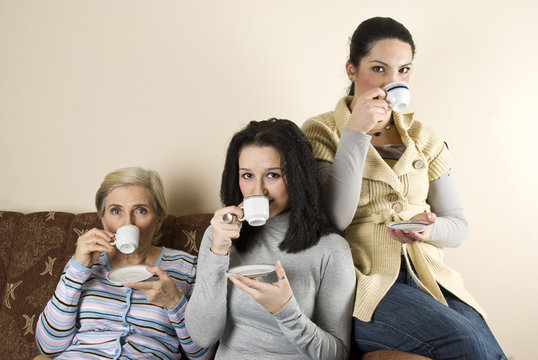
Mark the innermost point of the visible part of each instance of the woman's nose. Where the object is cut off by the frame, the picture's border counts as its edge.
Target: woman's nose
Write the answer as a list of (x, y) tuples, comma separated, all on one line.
[(130, 220), (394, 77), (260, 188)]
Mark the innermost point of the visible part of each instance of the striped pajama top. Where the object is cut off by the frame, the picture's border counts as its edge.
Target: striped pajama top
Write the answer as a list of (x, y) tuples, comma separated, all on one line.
[(90, 317)]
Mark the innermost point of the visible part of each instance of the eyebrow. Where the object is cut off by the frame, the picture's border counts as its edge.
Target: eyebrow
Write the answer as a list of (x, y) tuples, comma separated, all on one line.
[(387, 65), (121, 206), (272, 168)]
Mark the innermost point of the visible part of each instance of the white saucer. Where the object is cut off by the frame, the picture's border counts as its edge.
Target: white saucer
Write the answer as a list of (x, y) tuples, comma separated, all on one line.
[(251, 271), (128, 274), (407, 226)]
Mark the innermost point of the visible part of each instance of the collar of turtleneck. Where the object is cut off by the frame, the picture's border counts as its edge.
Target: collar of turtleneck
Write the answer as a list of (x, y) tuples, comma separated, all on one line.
[(278, 223)]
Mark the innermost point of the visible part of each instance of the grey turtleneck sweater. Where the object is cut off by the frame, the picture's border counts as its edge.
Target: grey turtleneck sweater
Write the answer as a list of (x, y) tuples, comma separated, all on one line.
[(314, 324)]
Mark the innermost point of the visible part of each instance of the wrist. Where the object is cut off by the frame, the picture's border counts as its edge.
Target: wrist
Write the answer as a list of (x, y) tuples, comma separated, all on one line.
[(82, 261), (351, 126), (173, 303), (219, 252)]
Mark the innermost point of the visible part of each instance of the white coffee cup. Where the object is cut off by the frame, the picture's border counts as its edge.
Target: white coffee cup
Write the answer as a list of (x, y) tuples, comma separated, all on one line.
[(397, 95), (127, 238), (255, 209)]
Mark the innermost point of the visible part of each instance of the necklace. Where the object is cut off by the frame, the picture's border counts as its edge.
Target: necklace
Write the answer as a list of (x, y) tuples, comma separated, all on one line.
[(386, 128)]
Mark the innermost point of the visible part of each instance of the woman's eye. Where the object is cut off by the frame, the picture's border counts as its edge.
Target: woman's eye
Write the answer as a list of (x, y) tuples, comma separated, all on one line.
[(378, 69), (142, 211), (273, 175), (246, 175), (405, 70), (115, 211)]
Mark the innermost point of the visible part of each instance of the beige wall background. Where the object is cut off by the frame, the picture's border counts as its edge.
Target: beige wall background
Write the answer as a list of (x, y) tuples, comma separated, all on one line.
[(87, 87)]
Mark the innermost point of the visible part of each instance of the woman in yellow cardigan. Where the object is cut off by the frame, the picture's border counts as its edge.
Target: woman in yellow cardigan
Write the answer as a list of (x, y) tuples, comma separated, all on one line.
[(381, 166)]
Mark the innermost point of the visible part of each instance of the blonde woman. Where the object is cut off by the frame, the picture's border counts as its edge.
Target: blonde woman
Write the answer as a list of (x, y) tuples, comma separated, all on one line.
[(91, 317)]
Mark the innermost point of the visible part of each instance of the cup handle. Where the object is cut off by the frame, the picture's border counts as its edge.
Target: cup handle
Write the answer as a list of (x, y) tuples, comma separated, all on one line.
[(242, 218)]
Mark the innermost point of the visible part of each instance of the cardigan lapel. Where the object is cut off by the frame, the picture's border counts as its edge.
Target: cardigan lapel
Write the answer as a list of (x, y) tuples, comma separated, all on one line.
[(407, 163), (375, 168)]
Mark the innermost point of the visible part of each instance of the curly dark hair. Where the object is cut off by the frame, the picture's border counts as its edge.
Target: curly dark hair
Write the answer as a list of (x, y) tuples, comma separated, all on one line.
[(308, 220)]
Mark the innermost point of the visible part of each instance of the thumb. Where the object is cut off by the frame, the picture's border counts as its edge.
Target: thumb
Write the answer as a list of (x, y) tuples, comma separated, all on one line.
[(374, 93), (425, 217), (280, 273), (157, 271)]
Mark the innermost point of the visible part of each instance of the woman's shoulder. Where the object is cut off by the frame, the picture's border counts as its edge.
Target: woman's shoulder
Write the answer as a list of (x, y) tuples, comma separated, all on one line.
[(335, 254), (324, 130), (333, 242), (331, 119), (324, 121)]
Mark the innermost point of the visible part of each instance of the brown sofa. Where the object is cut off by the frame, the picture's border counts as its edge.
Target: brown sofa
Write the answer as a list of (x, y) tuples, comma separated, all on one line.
[(35, 247)]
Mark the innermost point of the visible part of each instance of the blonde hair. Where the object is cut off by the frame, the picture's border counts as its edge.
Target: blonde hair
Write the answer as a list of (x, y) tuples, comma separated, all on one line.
[(138, 176)]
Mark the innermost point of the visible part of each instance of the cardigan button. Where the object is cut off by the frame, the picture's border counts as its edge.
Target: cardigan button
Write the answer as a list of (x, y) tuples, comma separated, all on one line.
[(392, 197), (418, 164), (397, 207)]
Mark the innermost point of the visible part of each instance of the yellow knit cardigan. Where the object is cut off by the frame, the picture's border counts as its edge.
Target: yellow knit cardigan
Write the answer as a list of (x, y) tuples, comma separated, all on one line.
[(390, 194)]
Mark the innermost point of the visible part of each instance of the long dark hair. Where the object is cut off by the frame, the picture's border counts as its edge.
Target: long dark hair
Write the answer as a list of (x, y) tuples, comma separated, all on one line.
[(308, 220), (372, 30)]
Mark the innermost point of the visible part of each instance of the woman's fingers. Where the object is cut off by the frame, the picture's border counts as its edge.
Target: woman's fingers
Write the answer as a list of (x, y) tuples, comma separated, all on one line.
[(369, 110), (91, 244), (246, 284), (281, 274), (235, 212), (414, 236), (94, 243), (157, 271), (425, 216), (273, 296), (409, 237), (162, 292), (400, 236), (223, 231), (374, 93)]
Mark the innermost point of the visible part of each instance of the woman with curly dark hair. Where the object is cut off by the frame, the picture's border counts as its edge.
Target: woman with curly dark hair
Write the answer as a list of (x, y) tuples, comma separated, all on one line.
[(303, 308)]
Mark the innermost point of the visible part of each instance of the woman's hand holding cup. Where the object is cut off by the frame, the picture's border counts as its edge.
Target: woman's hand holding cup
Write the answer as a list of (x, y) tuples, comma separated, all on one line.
[(91, 244), (223, 232), (369, 110)]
